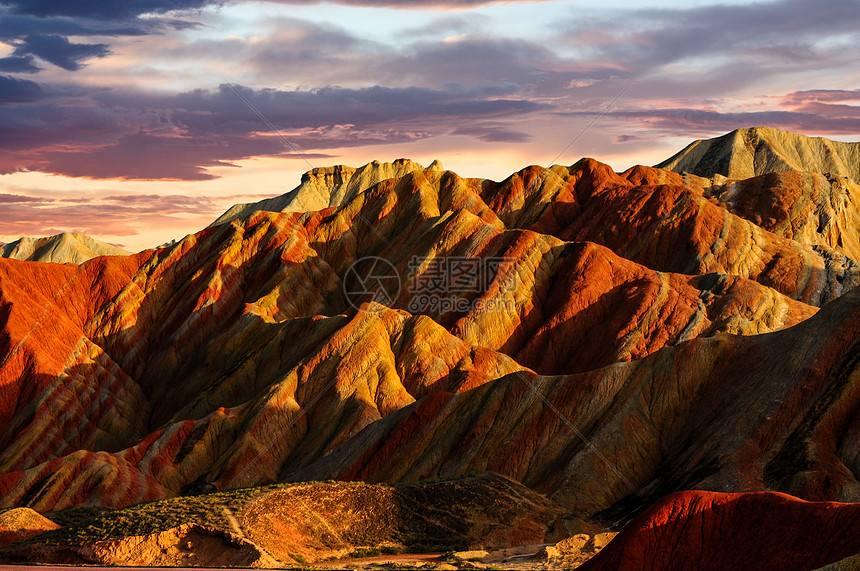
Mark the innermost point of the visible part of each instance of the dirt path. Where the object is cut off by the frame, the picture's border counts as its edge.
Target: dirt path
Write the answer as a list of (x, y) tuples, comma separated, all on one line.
[(401, 558), (234, 523)]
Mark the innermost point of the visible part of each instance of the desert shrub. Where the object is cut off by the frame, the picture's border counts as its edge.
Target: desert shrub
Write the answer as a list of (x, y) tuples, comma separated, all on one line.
[(366, 552), (391, 550)]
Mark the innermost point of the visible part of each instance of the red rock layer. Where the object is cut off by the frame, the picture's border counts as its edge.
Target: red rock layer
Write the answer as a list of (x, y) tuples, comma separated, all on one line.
[(773, 411), (668, 227), (233, 359), (812, 208), (754, 531)]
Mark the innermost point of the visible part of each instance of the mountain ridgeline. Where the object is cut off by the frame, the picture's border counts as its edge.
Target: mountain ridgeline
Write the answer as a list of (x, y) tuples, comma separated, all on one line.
[(65, 248), (746, 153), (633, 335)]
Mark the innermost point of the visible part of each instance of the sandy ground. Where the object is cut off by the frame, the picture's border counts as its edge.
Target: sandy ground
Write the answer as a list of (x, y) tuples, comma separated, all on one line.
[(92, 568)]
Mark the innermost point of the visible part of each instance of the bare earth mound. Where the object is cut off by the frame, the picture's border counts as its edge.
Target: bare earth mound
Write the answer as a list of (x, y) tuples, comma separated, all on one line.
[(187, 545), (311, 522), (22, 523), (319, 521)]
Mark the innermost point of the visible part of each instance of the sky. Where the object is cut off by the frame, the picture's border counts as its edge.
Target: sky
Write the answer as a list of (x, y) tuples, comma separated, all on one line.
[(141, 121)]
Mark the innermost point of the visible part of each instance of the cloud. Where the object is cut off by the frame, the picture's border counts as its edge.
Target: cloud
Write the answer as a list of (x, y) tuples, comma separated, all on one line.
[(461, 79), (821, 95), (704, 123), (14, 90), (142, 156), (411, 4), (147, 136), (18, 64), (767, 35), (59, 50), (115, 215), (41, 29), (19, 199), (100, 10), (492, 133)]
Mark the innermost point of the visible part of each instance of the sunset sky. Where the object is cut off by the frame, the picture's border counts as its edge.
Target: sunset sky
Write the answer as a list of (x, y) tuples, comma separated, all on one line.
[(140, 121)]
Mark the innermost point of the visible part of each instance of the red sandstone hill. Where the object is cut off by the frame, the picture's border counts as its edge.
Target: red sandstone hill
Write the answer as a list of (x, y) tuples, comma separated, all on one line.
[(752, 531), (234, 358), (634, 338), (804, 188)]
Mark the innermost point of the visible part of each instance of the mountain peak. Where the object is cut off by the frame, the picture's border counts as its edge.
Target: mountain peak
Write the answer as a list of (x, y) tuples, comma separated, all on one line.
[(324, 187), (745, 153), (63, 248)]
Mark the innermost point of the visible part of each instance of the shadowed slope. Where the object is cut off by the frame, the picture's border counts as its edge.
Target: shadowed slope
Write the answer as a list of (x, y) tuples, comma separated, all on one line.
[(755, 531), (811, 208), (667, 227), (311, 381), (661, 221), (739, 413)]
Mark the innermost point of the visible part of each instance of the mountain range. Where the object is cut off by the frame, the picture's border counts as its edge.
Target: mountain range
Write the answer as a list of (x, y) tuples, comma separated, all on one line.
[(607, 341), (65, 248)]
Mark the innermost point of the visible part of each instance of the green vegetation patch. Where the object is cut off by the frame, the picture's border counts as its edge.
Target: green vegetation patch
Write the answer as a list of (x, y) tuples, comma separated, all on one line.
[(95, 524)]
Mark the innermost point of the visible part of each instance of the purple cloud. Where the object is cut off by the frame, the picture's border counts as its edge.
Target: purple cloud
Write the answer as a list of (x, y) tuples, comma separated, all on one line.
[(410, 4), (705, 123), (137, 135), (19, 199), (18, 64), (97, 9), (59, 50), (14, 90)]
